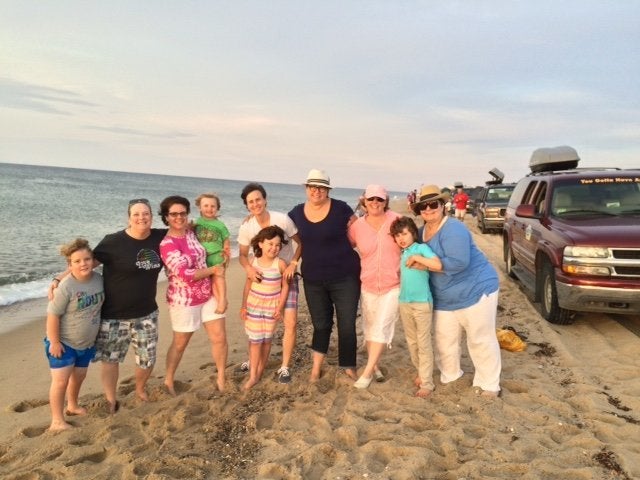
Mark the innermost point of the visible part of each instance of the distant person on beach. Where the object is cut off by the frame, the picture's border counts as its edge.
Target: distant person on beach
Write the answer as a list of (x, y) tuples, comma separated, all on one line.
[(465, 296), (131, 264), (460, 200), (416, 302), (73, 320), (254, 197), (189, 293), (330, 271), (213, 235), (379, 277), (264, 299)]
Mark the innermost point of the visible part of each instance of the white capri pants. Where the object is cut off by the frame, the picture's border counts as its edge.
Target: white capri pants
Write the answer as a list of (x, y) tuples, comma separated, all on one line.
[(379, 315), (479, 323)]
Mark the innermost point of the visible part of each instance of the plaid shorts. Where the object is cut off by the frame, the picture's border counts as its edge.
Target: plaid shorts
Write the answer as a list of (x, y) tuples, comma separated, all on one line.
[(292, 297), (116, 335)]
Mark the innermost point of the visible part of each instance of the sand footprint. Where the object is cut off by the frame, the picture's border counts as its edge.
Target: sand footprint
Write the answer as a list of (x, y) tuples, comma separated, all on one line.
[(26, 405), (32, 432)]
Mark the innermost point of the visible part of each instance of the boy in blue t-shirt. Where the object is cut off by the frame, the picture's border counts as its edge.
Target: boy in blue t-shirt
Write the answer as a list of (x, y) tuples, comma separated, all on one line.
[(416, 302)]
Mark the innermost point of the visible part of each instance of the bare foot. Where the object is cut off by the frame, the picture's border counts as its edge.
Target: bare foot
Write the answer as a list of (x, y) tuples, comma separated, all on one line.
[(249, 383), (114, 407), (142, 396), (170, 390), (76, 410), (315, 376), (417, 382), (220, 383), (351, 373), (57, 426), (423, 393)]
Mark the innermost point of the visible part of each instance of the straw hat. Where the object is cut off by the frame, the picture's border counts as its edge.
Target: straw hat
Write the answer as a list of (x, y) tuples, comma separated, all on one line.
[(429, 193), (318, 178)]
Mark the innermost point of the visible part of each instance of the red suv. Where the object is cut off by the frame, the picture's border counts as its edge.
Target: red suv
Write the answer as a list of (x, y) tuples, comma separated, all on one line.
[(572, 236)]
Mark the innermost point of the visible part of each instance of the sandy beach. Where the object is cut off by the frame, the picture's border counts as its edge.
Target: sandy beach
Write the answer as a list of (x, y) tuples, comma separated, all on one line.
[(570, 409)]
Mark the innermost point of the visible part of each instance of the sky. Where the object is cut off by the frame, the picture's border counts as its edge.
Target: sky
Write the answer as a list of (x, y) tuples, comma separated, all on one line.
[(397, 92)]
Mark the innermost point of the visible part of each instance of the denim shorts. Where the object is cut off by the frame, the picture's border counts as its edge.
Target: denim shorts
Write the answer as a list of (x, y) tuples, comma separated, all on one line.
[(70, 356)]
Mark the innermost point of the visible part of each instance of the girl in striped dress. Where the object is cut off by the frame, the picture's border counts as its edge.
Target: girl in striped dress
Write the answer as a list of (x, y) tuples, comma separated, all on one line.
[(263, 301)]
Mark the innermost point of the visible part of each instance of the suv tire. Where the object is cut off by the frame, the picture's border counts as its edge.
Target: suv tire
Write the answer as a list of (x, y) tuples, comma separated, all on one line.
[(509, 261), (551, 311)]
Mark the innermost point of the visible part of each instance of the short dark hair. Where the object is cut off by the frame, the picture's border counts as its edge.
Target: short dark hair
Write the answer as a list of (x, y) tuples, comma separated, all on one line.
[(267, 233), (166, 204), (399, 224), (250, 187)]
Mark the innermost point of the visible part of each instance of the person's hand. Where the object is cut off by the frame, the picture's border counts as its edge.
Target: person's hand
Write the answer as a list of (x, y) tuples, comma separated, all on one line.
[(52, 286), (56, 349), (243, 314), (253, 274), (277, 314), (290, 271)]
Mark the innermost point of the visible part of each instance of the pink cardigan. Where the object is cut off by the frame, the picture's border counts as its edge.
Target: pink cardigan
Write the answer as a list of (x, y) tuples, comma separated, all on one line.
[(379, 254)]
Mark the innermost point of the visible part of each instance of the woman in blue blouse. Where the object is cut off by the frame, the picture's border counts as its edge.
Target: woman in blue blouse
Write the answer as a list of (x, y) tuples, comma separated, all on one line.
[(465, 294)]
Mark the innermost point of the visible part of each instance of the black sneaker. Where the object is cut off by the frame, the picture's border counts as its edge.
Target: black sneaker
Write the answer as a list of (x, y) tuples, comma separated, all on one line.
[(283, 375)]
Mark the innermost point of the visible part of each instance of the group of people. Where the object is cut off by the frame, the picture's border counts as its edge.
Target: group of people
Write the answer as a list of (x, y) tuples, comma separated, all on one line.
[(380, 261)]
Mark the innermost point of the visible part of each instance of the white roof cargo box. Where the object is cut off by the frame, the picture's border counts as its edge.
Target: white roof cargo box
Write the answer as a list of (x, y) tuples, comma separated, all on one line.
[(554, 158), (497, 175)]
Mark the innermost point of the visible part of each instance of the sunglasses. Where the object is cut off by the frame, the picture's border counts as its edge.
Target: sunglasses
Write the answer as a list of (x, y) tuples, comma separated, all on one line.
[(375, 199), (139, 200), (435, 204), (178, 214)]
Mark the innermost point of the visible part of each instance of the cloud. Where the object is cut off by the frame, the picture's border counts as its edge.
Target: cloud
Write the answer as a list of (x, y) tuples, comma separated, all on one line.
[(140, 133), (38, 98)]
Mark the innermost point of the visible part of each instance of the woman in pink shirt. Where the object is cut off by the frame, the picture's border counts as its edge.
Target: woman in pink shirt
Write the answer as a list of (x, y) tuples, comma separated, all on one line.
[(191, 304), (380, 277)]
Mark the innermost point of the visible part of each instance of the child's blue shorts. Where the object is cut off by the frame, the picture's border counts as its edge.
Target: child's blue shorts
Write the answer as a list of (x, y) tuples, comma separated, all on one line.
[(70, 356)]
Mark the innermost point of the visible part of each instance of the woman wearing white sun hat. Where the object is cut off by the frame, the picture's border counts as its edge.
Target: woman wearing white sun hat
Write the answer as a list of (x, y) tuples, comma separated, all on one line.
[(330, 271)]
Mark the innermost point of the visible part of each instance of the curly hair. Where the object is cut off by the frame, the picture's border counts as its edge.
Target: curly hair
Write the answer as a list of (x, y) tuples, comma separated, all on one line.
[(208, 195), (400, 223), (74, 246), (267, 233)]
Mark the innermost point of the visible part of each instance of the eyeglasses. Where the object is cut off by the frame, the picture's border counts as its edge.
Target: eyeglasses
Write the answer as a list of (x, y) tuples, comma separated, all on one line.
[(429, 205), (375, 199), (316, 188), (178, 214), (139, 200)]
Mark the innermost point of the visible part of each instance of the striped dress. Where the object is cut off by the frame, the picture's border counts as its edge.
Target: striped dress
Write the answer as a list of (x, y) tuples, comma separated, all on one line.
[(262, 302)]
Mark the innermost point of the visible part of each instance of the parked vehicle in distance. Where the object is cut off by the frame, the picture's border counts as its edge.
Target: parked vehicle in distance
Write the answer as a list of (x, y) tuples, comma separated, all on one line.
[(491, 206), (572, 236)]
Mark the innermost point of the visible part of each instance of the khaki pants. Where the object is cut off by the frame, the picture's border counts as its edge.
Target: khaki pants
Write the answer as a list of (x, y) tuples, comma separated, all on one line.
[(416, 320)]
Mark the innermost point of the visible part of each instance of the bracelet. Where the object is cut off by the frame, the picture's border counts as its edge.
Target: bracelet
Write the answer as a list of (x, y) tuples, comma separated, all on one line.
[(55, 279)]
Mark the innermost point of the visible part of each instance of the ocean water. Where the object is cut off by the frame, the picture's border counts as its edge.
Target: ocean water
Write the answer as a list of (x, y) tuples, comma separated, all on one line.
[(44, 207)]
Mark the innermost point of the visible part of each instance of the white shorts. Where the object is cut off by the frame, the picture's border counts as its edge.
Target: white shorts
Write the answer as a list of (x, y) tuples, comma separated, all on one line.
[(379, 315), (190, 318)]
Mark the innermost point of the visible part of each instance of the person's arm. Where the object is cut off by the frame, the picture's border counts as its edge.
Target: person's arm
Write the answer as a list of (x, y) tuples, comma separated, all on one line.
[(245, 295), (177, 263), (226, 251), (53, 335), (284, 291), (290, 271), (433, 263), (243, 256)]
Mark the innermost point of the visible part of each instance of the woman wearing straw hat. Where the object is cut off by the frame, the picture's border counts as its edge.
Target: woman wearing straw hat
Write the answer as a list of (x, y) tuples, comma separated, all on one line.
[(465, 294), (330, 271)]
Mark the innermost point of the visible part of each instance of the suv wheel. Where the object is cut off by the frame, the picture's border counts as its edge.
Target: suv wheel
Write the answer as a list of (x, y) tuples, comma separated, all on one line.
[(509, 261), (551, 311), (481, 226)]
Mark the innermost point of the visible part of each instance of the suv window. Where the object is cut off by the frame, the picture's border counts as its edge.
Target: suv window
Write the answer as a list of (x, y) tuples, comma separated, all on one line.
[(580, 198)]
